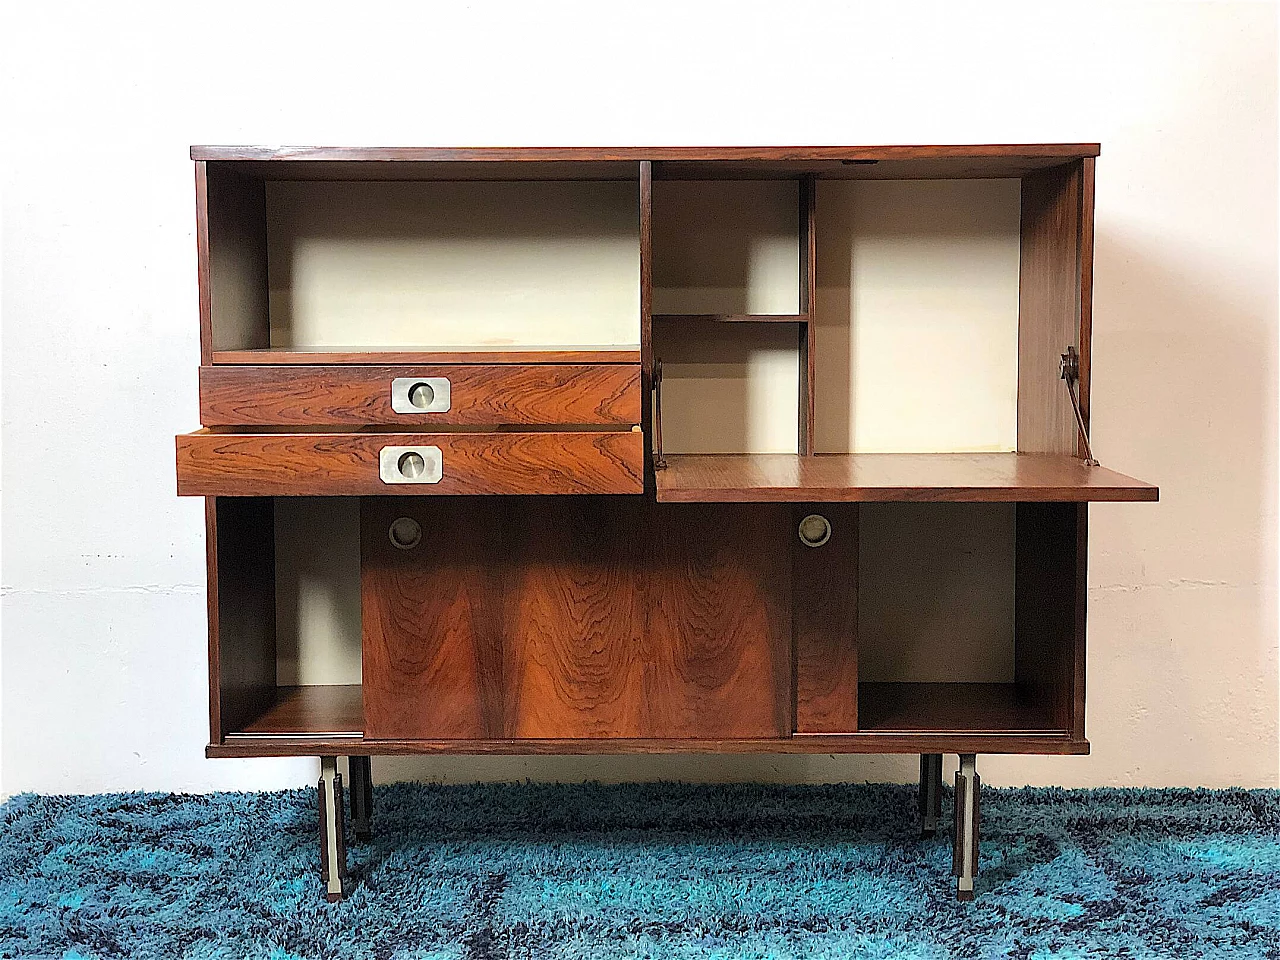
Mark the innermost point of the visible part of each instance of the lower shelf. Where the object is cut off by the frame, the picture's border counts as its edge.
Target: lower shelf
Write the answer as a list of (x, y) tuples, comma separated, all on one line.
[(989, 708), (321, 712), (898, 718)]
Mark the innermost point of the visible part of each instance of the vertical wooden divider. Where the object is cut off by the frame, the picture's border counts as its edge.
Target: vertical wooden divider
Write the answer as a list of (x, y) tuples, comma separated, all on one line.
[(808, 297), (646, 319), (824, 622), (202, 264), (1084, 258)]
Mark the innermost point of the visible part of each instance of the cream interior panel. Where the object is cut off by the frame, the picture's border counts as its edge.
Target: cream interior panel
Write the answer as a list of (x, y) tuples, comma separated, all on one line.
[(935, 592), (404, 264), (726, 247), (917, 311), (317, 590), (729, 387)]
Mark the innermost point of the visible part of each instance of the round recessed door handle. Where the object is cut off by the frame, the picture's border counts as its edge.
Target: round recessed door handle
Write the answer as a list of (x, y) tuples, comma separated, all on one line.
[(411, 465), (815, 530), (422, 395), (405, 533)]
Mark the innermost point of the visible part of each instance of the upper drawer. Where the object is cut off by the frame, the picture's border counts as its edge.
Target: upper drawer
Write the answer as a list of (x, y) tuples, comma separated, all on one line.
[(446, 394), (222, 463)]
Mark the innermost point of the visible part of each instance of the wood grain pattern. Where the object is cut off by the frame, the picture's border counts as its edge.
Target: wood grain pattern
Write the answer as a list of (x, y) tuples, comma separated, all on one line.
[(318, 711), (719, 618), (220, 463), (824, 622), (202, 263), (1048, 308), (574, 621), (543, 154), (924, 477), (860, 168), (614, 618), (852, 743), (242, 610), (432, 620), (372, 354), (479, 394), (646, 315), (731, 317), (808, 305), (1086, 287), (1050, 584), (995, 708)]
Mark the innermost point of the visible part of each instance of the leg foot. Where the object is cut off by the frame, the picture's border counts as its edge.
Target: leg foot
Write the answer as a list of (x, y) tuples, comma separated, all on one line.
[(333, 847), (964, 862), (361, 796), (930, 793)]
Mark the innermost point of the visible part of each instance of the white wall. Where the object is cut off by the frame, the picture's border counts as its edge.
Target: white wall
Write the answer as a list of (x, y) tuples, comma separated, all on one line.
[(103, 576)]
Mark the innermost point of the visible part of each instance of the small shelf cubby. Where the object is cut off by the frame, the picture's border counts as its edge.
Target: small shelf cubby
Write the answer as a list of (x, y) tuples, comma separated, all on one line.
[(286, 615), (307, 264), (967, 620)]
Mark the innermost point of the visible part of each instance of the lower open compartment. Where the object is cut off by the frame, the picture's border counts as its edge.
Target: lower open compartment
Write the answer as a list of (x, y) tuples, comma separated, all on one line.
[(599, 624), (971, 619)]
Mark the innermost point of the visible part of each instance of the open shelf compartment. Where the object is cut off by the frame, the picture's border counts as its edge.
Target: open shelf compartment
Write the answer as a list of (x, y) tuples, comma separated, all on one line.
[(335, 270), (971, 619), (284, 620)]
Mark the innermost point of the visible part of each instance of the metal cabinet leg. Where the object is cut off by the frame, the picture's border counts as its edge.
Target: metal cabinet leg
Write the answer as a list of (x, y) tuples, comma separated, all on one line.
[(333, 846), (361, 795), (964, 864), (930, 793)]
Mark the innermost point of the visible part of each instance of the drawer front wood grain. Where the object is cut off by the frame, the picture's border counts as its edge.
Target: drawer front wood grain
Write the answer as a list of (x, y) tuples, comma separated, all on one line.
[(481, 395), (221, 464)]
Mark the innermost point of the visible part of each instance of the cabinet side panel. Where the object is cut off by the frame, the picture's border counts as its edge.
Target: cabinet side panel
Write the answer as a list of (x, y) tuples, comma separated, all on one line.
[(825, 622), (1048, 307), (1086, 285), (1049, 610), (237, 255), (431, 620), (242, 605)]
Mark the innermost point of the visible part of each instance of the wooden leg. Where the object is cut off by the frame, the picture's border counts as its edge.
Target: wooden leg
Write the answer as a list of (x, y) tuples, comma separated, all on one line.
[(361, 795), (930, 793), (964, 862), (333, 846)]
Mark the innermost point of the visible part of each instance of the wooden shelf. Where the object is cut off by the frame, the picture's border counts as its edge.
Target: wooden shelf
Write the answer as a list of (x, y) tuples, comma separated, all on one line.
[(731, 317), (950, 708), (463, 354), (311, 711), (954, 477)]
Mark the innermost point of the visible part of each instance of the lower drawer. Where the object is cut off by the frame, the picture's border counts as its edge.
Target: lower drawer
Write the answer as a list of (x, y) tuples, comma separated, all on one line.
[(220, 463)]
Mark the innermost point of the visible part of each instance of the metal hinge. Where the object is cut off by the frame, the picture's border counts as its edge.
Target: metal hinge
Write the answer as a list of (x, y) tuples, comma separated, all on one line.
[(1069, 371), (659, 462)]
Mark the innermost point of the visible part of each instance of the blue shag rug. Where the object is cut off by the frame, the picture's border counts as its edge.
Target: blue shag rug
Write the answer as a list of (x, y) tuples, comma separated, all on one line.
[(489, 872)]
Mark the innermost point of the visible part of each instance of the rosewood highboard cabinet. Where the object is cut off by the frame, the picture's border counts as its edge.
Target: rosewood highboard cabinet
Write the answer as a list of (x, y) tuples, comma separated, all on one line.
[(646, 450)]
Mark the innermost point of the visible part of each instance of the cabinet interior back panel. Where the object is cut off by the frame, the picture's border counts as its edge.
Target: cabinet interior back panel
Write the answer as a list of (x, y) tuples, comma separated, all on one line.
[(726, 247), (935, 592), (406, 264), (728, 387), (917, 311), (317, 590)]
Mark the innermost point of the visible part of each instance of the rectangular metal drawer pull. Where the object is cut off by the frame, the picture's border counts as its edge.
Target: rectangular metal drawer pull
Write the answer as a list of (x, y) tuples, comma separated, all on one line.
[(410, 464), (420, 394)]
